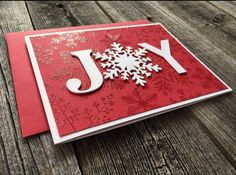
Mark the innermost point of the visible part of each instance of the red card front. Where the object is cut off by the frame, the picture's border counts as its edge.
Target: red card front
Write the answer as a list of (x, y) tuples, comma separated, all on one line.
[(30, 108), (94, 80)]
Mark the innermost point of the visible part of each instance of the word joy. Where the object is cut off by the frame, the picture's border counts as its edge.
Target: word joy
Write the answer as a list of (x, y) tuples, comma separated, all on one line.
[(122, 61)]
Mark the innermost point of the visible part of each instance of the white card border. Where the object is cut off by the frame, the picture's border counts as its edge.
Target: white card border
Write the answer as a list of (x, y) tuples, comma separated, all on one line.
[(116, 123)]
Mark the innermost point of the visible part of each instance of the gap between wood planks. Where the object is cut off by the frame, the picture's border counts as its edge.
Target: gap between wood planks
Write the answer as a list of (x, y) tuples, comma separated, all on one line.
[(76, 144), (110, 17), (201, 121), (210, 134), (207, 131), (20, 154), (226, 7)]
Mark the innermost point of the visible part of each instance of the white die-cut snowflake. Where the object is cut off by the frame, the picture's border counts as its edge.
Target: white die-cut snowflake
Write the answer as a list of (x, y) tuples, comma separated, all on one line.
[(127, 62)]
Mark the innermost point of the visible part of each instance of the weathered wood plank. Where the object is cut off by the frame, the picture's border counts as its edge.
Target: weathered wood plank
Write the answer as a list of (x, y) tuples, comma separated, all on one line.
[(175, 143), (35, 155), (215, 24), (62, 14), (3, 166), (227, 7), (218, 115), (10, 134), (129, 150), (193, 146), (197, 15), (122, 11)]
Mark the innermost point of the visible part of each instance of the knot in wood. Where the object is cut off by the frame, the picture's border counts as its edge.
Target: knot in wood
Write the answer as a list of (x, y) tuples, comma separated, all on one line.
[(60, 5), (218, 18)]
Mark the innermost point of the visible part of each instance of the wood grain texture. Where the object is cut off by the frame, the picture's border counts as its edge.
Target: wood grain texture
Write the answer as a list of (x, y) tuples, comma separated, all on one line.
[(216, 25), (124, 10), (195, 140), (227, 7), (64, 14), (35, 155), (201, 16), (212, 114)]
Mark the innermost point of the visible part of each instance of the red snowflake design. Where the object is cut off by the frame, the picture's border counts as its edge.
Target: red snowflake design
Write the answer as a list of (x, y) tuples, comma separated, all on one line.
[(183, 79), (115, 84), (109, 38), (163, 84), (207, 79), (138, 102), (113, 36)]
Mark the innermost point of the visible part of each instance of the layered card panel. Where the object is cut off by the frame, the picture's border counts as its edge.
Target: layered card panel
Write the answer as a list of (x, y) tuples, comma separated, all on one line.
[(33, 119), (95, 80)]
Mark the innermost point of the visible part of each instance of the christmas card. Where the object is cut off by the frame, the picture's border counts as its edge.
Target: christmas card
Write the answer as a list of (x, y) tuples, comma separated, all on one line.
[(33, 119), (94, 80)]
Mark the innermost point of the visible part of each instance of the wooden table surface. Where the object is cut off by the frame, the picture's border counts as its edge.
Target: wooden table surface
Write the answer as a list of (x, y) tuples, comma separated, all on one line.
[(200, 139)]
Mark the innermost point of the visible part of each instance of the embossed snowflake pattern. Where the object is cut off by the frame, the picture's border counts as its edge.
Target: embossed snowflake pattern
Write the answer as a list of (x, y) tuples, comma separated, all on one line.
[(70, 39), (44, 56), (65, 56), (69, 70), (126, 62)]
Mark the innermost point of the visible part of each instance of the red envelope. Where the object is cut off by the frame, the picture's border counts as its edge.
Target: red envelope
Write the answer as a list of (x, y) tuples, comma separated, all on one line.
[(31, 112)]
